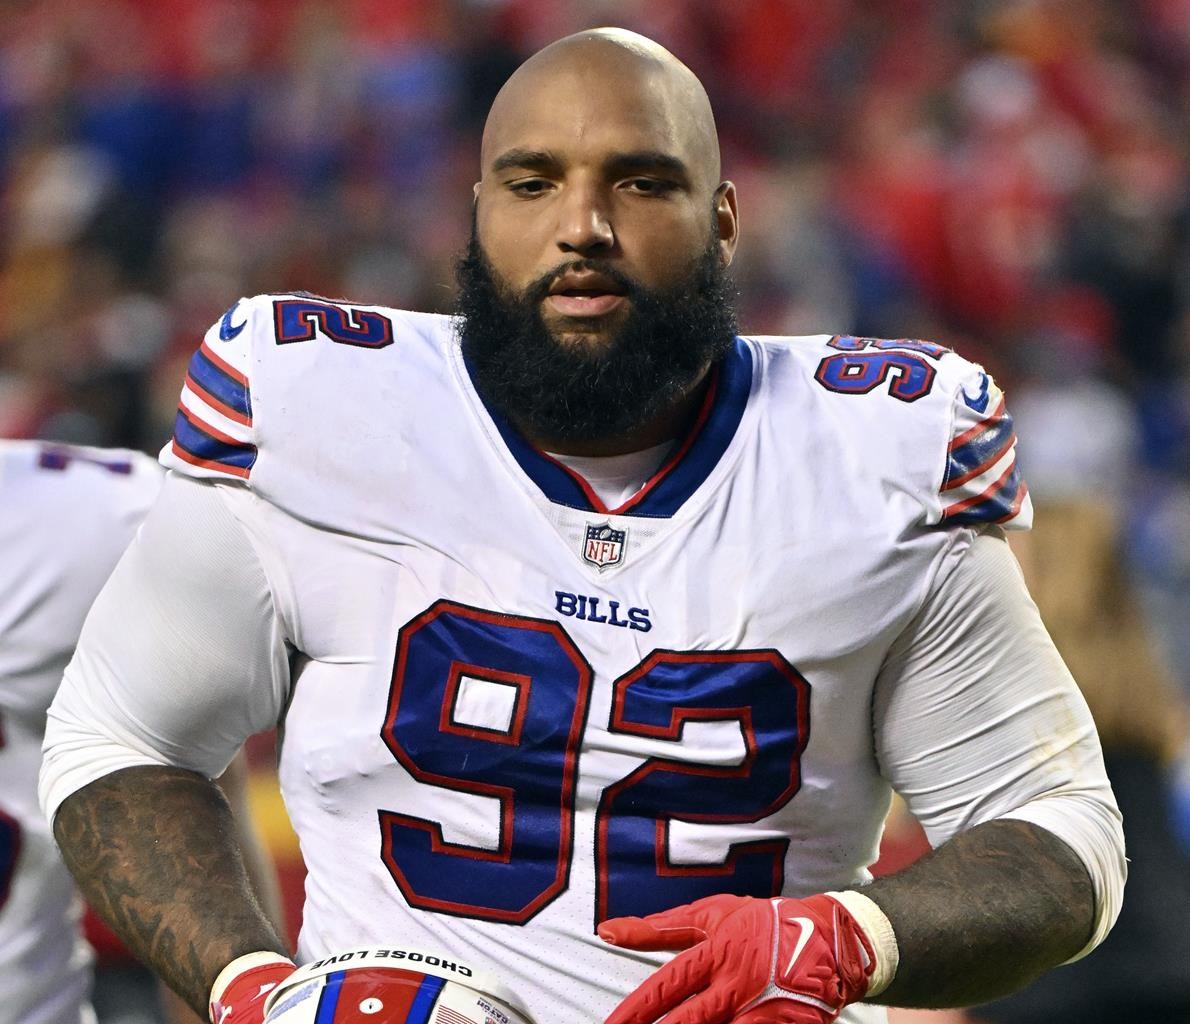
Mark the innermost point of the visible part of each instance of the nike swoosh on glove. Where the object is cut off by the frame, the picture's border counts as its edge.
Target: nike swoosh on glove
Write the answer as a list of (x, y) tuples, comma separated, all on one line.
[(239, 993), (748, 961)]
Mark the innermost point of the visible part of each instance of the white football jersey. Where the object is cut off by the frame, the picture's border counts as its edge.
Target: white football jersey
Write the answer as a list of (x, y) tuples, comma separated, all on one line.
[(66, 514), (510, 712)]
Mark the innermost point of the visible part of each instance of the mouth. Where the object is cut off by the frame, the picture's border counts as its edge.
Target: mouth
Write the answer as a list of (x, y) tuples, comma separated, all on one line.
[(584, 304), (585, 295)]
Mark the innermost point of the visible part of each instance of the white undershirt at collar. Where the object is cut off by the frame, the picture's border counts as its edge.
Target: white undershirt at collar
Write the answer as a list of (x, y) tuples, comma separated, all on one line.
[(616, 478)]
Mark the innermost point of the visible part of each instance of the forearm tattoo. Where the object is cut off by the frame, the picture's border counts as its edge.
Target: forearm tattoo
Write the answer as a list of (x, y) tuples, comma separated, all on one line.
[(154, 852)]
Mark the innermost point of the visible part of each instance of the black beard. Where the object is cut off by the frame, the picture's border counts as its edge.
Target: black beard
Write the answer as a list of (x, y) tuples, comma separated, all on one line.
[(561, 392)]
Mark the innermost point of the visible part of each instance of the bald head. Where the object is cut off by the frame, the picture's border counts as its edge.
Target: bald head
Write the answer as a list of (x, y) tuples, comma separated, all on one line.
[(600, 191), (627, 78)]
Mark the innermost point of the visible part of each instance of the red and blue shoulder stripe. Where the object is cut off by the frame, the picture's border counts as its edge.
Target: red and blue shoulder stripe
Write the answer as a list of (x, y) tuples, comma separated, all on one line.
[(213, 426), (982, 483), (220, 385)]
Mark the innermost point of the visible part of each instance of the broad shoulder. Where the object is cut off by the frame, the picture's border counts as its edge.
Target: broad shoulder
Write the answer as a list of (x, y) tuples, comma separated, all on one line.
[(905, 369), (912, 410), (296, 366), (293, 321)]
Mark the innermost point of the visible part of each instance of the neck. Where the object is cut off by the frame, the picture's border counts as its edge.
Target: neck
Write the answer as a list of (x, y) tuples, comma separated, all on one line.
[(667, 425)]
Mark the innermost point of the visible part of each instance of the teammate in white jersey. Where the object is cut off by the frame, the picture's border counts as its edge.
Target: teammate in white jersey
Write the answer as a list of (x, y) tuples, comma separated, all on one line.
[(66, 514), (580, 609)]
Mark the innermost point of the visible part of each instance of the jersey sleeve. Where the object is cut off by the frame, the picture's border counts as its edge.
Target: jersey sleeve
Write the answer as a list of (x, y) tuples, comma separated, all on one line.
[(182, 656), (980, 482), (977, 718), (214, 436)]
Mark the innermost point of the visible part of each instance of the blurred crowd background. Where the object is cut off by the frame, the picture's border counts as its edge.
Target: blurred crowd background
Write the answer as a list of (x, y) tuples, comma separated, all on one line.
[(1008, 177)]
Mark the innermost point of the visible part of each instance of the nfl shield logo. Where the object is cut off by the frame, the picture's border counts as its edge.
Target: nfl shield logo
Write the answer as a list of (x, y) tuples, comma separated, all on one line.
[(604, 546)]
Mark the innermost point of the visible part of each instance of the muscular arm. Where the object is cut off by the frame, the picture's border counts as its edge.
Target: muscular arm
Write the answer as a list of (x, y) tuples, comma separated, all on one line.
[(983, 732), (154, 851), (261, 872), (984, 914), (151, 706)]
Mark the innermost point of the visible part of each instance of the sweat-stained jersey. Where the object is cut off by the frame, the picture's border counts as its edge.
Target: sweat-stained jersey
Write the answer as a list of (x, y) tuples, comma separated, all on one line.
[(66, 514), (509, 712)]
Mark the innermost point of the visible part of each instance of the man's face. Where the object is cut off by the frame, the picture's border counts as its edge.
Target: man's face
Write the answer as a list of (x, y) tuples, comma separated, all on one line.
[(600, 165), (594, 290)]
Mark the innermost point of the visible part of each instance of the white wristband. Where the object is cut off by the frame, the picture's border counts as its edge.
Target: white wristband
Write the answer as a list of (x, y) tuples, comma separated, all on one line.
[(879, 931), (241, 964)]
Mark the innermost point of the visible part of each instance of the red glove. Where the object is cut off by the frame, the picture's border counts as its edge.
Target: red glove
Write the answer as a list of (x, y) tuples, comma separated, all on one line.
[(750, 961), (238, 995)]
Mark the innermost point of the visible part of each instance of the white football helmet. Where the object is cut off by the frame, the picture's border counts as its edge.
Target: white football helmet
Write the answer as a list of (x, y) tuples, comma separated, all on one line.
[(392, 985)]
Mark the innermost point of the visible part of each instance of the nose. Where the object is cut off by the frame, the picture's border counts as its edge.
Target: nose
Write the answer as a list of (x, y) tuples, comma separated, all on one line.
[(584, 223)]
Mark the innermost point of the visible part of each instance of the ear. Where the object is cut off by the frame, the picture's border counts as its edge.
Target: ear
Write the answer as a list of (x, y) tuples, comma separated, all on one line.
[(475, 192), (727, 219)]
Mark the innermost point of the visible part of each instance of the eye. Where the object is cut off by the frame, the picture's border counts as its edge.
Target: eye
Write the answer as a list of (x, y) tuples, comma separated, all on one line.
[(529, 187), (650, 186)]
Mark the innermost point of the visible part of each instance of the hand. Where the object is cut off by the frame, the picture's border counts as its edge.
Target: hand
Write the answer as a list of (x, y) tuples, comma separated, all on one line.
[(239, 993), (747, 961)]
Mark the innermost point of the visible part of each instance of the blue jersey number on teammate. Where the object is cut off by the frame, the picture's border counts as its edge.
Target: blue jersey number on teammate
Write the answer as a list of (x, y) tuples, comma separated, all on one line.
[(10, 851), (495, 705), (10, 843), (60, 457)]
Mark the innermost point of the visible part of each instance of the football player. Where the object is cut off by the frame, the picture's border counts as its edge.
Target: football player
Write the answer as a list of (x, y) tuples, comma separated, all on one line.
[(66, 514), (600, 634)]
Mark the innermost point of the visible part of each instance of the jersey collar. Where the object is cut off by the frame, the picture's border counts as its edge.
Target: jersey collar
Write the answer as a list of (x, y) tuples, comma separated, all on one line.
[(680, 475)]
